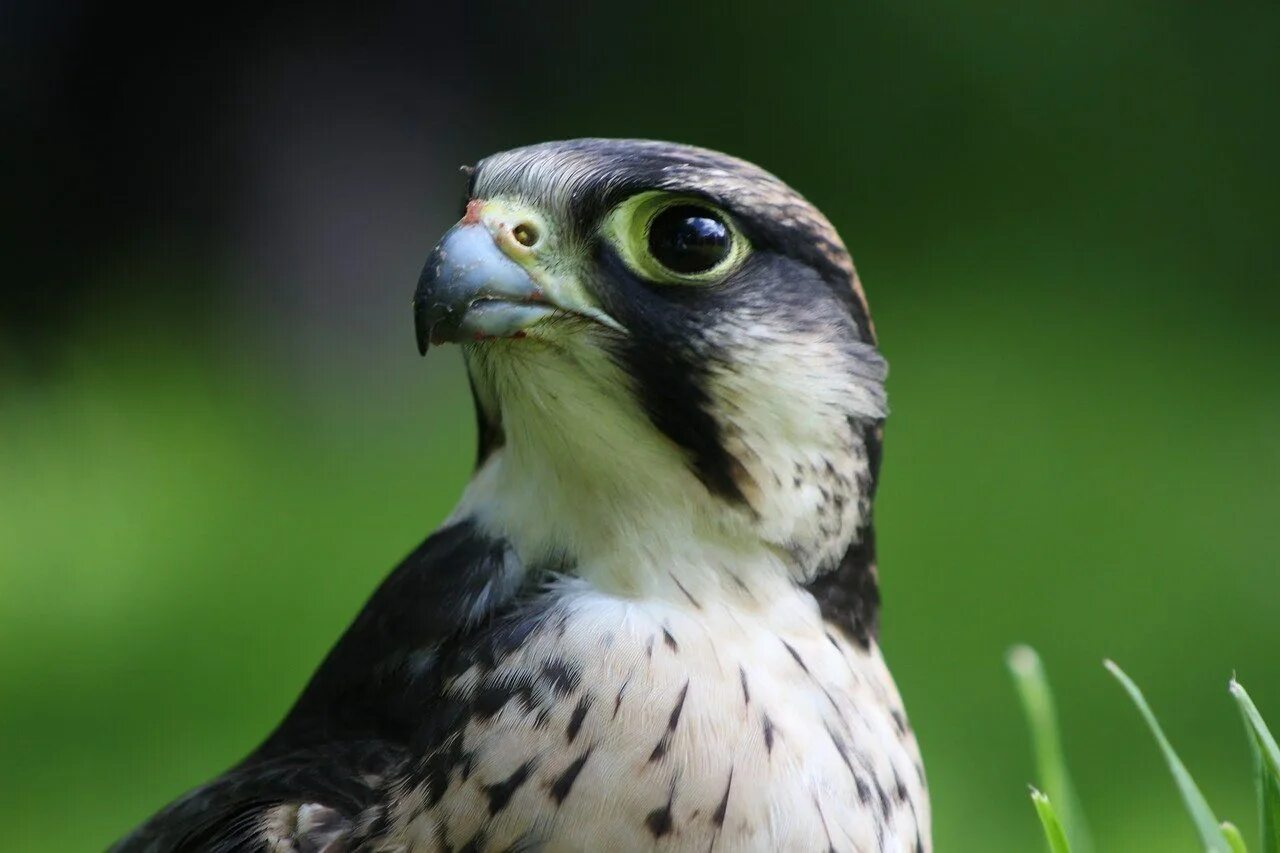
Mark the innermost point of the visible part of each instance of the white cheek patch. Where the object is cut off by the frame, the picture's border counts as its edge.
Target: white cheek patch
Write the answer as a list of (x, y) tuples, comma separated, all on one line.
[(793, 407)]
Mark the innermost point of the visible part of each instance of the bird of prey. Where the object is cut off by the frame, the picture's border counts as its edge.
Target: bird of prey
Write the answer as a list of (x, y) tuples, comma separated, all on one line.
[(651, 621)]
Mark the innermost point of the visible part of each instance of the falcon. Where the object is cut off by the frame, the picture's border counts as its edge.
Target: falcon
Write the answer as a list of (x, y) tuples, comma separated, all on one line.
[(651, 620)]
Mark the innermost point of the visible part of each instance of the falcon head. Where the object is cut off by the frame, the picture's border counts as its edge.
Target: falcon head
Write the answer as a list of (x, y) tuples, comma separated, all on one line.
[(670, 352)]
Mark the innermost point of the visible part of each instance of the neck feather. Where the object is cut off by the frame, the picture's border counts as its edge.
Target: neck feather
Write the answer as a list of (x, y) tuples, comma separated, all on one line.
[(579, 481)]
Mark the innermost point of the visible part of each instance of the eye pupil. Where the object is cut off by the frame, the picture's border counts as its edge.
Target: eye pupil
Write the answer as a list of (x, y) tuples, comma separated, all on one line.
[(688, 239)]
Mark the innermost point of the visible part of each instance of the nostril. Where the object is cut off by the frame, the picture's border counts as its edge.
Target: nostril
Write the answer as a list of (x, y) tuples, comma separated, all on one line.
[(526, 234)]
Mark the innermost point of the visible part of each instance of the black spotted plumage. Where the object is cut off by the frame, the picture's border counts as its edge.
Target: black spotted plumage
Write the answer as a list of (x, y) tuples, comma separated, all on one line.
[(370, 711), (677, 670)]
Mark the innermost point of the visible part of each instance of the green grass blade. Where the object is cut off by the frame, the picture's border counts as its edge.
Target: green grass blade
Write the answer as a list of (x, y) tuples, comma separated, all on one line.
[(1269, 811), (1201, 815), (1049, 820), (1051, 767), (1233, 837), (1266, 757)]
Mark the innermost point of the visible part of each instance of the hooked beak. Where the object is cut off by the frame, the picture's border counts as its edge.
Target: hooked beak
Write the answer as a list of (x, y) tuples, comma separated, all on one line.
[(483, 281), (470, 290)]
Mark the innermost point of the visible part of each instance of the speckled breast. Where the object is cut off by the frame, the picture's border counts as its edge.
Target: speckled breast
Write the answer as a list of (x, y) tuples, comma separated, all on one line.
[(621, 725)]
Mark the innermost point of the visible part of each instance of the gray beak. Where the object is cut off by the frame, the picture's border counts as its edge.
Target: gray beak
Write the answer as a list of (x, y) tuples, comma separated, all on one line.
[(469, 290)]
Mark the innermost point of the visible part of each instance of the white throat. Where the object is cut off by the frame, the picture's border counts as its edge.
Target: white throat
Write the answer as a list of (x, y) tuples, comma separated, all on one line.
[(584, 482), (630, 519)]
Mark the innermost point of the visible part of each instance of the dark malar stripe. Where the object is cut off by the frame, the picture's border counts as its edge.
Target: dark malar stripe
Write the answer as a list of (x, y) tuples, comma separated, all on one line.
[(670, 380)]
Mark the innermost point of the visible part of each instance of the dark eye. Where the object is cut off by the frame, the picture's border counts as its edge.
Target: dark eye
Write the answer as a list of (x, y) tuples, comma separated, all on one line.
[(686, 238)]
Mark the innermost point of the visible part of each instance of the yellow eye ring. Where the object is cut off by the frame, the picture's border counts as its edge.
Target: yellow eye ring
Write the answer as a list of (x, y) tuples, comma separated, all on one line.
[(674, 239)]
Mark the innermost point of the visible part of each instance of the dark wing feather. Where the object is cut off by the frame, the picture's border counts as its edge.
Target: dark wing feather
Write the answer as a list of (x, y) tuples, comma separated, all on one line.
[(378, 681), (346, 782), (350, 731)]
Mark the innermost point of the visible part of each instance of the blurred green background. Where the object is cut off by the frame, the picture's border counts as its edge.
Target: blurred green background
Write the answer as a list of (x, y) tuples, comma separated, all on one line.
[(216, 436)]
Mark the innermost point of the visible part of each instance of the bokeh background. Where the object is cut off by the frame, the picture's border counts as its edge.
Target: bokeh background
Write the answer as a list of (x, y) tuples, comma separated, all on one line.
[(216, 435)]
